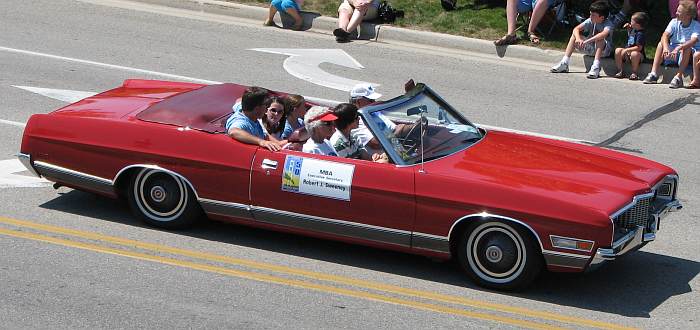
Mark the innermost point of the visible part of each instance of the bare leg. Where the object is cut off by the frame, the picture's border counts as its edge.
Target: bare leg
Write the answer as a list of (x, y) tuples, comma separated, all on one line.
[(685, 59), (599, 47), (636, 58), (356, 19), (344, 18), (696, 70), (658, 58), (619, 59), (537, 13), (271, 16), (511, 15), (570, 46)]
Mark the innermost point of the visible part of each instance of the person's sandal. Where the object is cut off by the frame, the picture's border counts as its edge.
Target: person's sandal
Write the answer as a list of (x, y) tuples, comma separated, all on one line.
[(620, 75), (268, 22), (634, 76), (692, 86), (507, 39), (535, 39)]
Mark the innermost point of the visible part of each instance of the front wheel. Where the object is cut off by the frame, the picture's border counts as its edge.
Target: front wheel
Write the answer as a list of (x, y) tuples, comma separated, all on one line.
[(499, 256), (163, 199)]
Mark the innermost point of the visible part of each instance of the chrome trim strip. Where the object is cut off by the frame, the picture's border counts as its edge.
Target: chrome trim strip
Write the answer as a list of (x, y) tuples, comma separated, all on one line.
[(489, 215), (565, 260), (79, 179), (572, 239), (26, 160), (430, 242), (564, 254), (226, 208), (631, 241), (332, 226), (74, 173)]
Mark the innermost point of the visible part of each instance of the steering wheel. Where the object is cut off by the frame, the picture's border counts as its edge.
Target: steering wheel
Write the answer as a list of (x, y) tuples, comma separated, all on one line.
[(412, 139)]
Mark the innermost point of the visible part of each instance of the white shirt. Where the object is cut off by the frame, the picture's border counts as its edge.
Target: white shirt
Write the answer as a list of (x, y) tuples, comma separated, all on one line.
[(323, 148)]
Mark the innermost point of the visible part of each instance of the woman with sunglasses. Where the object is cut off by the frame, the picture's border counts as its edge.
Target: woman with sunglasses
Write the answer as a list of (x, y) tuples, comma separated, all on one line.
[(275, 117)]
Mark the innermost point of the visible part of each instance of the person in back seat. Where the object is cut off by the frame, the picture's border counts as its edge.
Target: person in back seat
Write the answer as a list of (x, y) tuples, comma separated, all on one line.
[(344, 141), (319, 122), (244, 125)]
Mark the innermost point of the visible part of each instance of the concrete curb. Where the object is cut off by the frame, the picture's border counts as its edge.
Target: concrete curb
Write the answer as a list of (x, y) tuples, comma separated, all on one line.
[(388, 34)]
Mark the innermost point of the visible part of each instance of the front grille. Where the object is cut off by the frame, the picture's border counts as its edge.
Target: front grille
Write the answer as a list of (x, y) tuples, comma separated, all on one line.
[(637, 215)]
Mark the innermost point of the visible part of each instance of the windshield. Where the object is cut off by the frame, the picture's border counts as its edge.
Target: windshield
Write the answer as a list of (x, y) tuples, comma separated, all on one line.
[(421, 123)]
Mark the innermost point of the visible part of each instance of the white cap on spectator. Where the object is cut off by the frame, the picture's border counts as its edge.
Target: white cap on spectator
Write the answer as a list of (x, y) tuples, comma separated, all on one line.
[(364, 90)]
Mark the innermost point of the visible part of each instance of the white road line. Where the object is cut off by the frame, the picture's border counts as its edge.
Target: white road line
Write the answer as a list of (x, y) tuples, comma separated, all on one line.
[(13, 123), (110, 66)]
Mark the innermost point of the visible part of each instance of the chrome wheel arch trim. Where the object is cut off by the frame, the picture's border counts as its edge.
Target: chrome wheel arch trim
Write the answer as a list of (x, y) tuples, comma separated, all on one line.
[(156, 167), (495, 216)]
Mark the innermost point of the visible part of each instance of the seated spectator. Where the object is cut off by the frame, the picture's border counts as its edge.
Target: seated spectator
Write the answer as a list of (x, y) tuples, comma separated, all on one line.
[(634, 50), (513, 9), (319, 123), (677, 45), (597, 43), (296, 109), (244, 125), (350, 15), (291, 7), (274, 119), (347, 144)]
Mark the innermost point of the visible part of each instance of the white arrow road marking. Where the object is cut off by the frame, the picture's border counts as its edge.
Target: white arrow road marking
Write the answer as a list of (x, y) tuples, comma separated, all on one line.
[(13, 123), (64, 95), (10, 179), (304, 64)]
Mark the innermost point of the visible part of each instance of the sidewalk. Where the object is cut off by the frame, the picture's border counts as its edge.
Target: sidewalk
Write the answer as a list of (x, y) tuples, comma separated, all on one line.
[(388, 34)]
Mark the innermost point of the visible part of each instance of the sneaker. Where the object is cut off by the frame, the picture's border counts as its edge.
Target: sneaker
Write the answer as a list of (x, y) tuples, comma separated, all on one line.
[(676, 82), (560, 68), (594, 73), (651, 78)]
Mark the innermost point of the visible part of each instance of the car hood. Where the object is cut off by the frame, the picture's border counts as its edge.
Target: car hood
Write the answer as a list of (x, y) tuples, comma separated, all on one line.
[(527, 169)]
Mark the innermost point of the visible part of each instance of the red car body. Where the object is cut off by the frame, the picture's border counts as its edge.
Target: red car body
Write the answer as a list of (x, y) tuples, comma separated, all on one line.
[(553, 191)]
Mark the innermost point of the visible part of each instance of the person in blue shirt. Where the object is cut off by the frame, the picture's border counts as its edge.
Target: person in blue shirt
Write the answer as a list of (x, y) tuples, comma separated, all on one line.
[(244, 125), (634, 49), (678, 43), (593, 37)]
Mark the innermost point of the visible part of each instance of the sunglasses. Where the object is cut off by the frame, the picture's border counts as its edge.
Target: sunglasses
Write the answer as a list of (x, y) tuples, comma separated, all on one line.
[(328, 123), (275, 110)]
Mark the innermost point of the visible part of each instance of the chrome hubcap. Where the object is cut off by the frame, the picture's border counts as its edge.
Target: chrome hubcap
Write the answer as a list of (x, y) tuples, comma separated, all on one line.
[(494, 254), (158, 194)]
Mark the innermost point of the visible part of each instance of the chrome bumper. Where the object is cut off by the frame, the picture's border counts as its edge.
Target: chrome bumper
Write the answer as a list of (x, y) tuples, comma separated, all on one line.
[(26, 160), (636, 238)]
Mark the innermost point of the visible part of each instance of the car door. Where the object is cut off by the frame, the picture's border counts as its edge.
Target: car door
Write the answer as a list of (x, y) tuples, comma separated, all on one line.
[(331, 195)]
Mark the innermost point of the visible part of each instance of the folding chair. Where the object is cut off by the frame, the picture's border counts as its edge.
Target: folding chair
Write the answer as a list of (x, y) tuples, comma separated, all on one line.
[(557, 12)]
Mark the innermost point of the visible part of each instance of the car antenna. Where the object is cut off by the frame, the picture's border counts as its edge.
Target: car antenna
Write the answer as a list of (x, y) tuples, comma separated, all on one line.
[(422, 118)]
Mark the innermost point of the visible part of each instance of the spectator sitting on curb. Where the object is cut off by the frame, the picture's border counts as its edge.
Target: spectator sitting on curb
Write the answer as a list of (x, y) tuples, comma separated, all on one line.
[(597, 44), (677, 44), (350, 15), (513, 7), (244, 125), (291, 7), (634, 50)]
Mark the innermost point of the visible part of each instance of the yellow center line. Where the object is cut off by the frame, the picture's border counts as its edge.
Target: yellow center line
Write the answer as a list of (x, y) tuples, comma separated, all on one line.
[(318, 276), (275, 280)]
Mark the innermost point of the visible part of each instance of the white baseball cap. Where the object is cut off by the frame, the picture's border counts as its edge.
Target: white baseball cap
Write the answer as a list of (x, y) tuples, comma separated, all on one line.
[(364, 90)]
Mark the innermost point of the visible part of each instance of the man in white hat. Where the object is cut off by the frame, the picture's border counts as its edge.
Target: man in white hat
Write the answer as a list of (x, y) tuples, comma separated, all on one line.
[(362, 95)]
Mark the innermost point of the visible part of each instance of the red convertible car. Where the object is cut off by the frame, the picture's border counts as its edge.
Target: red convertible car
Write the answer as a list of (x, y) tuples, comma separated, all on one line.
[(504, 205)]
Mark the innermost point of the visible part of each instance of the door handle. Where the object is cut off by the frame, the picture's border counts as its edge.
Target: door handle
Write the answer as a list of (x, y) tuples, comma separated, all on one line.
[(269, 164)]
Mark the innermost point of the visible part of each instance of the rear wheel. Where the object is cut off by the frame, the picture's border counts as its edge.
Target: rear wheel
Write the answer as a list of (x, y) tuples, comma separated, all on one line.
[(163, 199), (498, 255)]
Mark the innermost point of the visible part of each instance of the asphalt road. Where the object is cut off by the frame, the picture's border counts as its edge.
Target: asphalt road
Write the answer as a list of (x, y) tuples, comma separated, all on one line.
[(65, 262)]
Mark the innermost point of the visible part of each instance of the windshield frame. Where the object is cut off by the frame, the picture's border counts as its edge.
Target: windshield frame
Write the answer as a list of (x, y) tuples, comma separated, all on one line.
[(418, 91)]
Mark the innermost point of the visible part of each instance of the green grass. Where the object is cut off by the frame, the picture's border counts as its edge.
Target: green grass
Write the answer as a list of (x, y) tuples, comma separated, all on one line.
[(485, 19)]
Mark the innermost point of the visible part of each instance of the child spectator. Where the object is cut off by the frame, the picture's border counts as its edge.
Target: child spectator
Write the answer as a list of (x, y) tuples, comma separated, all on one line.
[(291, 7), (598, 43), (677, 44), (634, 50)]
